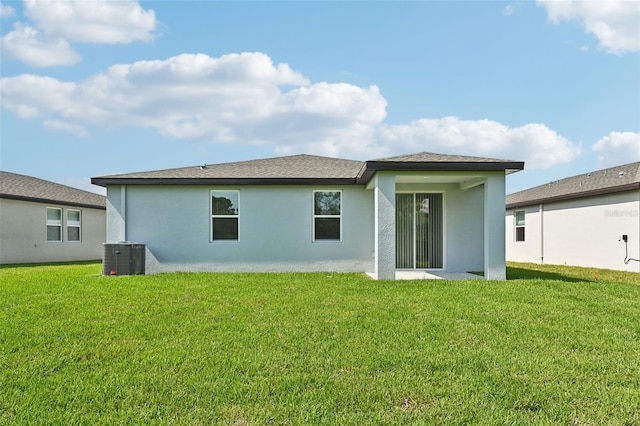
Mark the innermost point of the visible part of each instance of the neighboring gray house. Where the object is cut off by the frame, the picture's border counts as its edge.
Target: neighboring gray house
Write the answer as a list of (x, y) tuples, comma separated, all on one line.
[(592, 219), (309, 213), (42, 221)]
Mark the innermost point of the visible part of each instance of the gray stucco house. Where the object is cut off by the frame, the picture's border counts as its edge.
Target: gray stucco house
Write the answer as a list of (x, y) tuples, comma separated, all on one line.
[(42, 221), (592, 219), (308, 213)]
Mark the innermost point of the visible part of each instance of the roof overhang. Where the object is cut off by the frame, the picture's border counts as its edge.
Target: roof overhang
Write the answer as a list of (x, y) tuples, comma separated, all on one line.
[(371, 167), (51, 201), (105, 181)]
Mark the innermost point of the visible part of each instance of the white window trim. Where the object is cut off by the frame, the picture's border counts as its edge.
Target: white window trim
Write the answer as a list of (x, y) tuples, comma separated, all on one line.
[(516, 226), (73, 225), (320, 216), (222, 216), (53, 223)]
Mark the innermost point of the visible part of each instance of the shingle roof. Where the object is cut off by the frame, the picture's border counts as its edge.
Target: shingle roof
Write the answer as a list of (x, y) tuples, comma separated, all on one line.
[(615, 179), (289, 167), (432, 157), (21, 187), (310, 169), (429, 161)]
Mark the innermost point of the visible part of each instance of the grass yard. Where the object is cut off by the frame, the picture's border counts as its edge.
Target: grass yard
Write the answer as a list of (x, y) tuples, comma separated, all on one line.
[(552, 345)]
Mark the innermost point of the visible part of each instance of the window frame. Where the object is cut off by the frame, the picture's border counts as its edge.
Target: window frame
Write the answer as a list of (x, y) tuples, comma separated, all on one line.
[(317, 216), (518, 226), (79, 225), (56, 223), (220, 216)]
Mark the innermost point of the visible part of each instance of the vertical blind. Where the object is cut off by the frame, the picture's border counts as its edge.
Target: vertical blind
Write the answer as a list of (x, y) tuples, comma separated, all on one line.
[(419, 232), (404, 231)]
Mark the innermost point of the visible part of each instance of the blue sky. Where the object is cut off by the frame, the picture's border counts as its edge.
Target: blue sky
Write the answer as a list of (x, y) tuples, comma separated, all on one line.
[(91, 88)]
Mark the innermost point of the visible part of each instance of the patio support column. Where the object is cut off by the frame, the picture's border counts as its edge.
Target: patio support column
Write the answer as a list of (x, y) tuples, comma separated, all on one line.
[(494, 224), (385, 226)]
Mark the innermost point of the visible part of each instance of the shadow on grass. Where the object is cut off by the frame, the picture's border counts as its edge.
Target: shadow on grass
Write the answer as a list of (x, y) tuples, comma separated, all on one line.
[(516, 273), (30, 265)]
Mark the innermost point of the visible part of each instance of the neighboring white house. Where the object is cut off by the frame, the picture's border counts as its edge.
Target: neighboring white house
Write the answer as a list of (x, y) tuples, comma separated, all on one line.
[(42, 221), (591, 220), (311, 213)]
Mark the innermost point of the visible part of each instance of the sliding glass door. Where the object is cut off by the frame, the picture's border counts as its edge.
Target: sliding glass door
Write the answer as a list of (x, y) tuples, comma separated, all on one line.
[(419, 231)]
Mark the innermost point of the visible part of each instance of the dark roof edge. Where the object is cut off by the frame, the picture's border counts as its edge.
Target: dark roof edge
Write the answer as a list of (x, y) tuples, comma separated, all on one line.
[(585, 194), (52, 201), (445, 166), (222, 181)]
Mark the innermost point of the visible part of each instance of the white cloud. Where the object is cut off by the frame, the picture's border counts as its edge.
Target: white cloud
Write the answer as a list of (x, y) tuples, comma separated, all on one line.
[(34, 48), (45, 40), (536, 144), (617, 148), (93, 21), (6, 11), (247, 99), (30, 96), (63, 126), (616, 23)]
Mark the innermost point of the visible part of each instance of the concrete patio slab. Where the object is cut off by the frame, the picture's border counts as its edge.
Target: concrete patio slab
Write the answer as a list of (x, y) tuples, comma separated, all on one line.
[(435, 275)]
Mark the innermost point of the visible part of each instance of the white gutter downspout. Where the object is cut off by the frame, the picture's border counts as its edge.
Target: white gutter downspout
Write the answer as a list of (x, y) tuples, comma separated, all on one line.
[(542, 234), (123, 212)]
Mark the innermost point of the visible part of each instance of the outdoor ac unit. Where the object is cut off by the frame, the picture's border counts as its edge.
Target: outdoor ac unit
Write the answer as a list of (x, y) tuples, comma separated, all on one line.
[(123, 258)]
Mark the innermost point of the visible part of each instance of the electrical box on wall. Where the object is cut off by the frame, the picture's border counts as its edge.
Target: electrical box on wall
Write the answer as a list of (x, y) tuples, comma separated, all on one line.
[(123, 258)]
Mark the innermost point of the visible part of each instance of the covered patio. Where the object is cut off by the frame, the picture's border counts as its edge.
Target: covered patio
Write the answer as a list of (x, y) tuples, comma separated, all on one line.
[(439, 216)]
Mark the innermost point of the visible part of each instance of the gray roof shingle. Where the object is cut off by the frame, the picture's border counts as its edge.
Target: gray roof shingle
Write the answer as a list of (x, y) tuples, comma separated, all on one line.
[(289, 167), (432, 157), (21, 187), (615, 179), (304, 168), (429, 161)]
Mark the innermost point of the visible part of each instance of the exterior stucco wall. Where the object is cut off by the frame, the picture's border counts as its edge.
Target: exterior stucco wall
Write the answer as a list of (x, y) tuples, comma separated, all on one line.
[(116, 202), (529, 250), (385, 229), (23, 234), (463, 224), (583, 232), (494, 233), (275, 229), (276, 225)]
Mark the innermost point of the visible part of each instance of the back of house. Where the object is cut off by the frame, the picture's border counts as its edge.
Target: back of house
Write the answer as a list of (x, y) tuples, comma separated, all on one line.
[(43, 221), (590, 220), (422, 211)]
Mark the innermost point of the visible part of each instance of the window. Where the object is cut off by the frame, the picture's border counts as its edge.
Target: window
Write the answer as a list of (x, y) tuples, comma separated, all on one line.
[(224, 215), (73, 225), (327, 215), (520, 225), (54, 224)]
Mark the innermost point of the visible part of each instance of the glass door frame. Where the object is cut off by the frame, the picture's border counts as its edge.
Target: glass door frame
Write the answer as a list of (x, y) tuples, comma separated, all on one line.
[(413, 235)]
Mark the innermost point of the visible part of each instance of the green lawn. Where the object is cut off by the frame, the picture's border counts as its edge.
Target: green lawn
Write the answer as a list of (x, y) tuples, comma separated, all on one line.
[(552, 345)]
